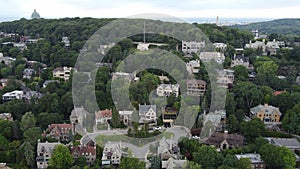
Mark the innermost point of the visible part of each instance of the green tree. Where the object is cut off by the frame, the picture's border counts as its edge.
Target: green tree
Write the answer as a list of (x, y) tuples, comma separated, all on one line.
[(29, 154), (3, 143), (244, 163), (81, 161), (277, 157), (290, 122), (32, 135), (230, 104), (28, 121), (115, 120), (252, 129), (61, 158), (232, 124), (191, 165), (208, 157), (155, 162), (247, 95), (131, 163), (240, 73)]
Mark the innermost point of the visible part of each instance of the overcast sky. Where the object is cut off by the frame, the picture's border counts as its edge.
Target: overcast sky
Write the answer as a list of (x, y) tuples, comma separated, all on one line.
[(177, 8)]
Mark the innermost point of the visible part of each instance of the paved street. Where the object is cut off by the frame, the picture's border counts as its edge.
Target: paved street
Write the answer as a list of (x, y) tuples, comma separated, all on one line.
[(141, 152)]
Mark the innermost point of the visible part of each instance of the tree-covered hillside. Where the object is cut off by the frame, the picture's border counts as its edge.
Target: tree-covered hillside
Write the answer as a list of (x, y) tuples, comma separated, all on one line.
[(287, 27)]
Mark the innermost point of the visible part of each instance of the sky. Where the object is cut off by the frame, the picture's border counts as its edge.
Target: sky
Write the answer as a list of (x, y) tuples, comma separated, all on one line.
[(176, 8)]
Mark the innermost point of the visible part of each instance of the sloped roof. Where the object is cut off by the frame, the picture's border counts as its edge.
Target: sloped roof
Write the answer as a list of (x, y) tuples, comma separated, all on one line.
[(217, 138), (82, 149), (47, 147), (267, 109), (145, 108)]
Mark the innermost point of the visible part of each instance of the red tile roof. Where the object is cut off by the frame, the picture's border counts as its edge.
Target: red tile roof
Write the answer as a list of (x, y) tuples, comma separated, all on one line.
[(83, 150), (103, 113)]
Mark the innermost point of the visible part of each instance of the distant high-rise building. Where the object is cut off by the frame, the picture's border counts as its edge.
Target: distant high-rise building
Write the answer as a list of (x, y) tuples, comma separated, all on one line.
[(217, 21), (35, 15)]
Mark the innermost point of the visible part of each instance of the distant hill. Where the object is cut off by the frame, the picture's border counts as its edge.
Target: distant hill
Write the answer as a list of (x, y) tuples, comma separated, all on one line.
[(286, 27)]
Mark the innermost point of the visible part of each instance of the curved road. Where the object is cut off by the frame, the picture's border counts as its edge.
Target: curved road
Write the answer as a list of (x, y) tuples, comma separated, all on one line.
[(140, 152)]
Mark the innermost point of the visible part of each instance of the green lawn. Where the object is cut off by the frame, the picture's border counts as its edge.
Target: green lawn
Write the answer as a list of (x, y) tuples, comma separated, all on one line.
[(140, 142)]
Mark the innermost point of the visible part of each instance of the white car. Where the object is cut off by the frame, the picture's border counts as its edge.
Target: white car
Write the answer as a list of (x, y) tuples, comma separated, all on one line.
[(195, 137), (157, 128)]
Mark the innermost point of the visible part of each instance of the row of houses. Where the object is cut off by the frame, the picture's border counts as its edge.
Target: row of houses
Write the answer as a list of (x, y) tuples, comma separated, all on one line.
[(45, 151)]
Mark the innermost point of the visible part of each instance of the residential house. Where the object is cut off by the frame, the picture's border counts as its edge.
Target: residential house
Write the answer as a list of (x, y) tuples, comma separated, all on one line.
[(240, 60), (44, 153), (266, 113), (173, 164), (225, 141), (103, 116), (167, 89), (112, 154), (4, 166), (21, 46), (78, 115), (217, 119), (66, 41), (290, 143), (169, 116), (103, 48), (193, 66), (143, 46), (126, 117), (298, 80), (189, 47), (17, 94), (6, 60), (6, 116), (221, 46), (122, 75), (167, 149), (27, 73), (62, 73), (60, 132), (147, 113), (272, 47), (209, 56), (256, 161), (257, 45), (28, 95), (196, 87), (87, 151), (225, 78)]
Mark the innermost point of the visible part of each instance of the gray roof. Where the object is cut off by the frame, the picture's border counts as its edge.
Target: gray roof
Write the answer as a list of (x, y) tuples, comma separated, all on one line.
[(47, 147), (254, 158), (266, 108), (291, 143), (145, 108)]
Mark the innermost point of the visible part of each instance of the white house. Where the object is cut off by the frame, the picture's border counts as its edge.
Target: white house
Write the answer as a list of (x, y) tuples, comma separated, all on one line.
[(66, 41), (193, 66), (167, 90), (62, 72), (221, 46), (112, 154), (17, 94), (216, 56), (192, 46), (147, 113), (225, 78)]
